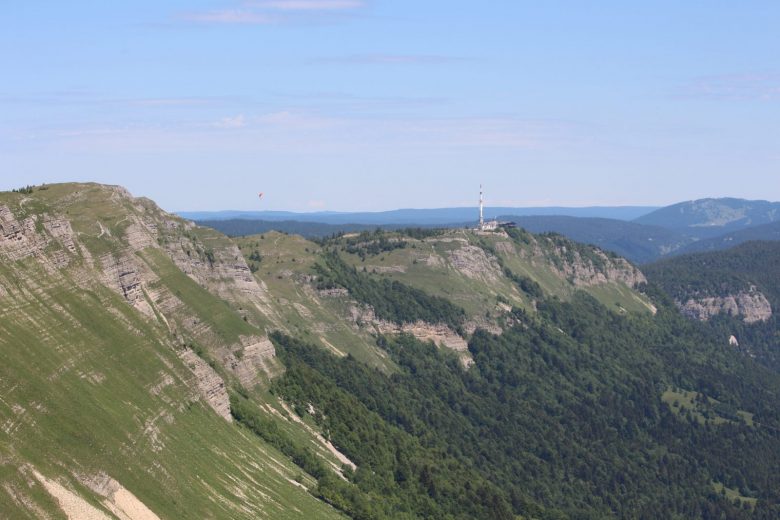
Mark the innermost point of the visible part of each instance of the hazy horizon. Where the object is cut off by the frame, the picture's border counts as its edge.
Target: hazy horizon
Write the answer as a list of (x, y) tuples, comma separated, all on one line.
[(256, 205)]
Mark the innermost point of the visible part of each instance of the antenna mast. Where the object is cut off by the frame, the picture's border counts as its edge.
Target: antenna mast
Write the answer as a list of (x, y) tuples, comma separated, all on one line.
[(481, 211)]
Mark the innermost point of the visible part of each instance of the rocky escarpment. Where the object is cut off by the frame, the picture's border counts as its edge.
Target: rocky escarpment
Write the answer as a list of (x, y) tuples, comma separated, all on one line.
[(596, 268), (34, 236), (363, 317), (582, 266), (255, 361), (124, 274), (221, 269), (474, 263), (752, 306), (210, 385)]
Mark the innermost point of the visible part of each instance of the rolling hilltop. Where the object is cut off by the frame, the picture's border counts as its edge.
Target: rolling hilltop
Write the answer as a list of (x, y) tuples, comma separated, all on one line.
[(706, 218), (157, 369)]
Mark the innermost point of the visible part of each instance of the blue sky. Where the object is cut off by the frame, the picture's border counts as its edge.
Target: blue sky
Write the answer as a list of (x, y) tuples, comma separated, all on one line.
[(378, 104)]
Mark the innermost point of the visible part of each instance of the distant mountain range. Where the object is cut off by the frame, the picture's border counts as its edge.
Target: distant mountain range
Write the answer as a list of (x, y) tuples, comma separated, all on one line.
[(686, 227), (418, 217), (640, 233)]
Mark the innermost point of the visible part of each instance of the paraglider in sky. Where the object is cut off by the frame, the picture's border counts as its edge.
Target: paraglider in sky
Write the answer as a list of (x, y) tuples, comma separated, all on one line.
[(260, 195)]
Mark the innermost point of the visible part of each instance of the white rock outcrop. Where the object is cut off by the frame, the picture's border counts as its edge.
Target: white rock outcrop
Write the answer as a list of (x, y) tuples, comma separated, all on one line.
[(474, 263), (752, 306)]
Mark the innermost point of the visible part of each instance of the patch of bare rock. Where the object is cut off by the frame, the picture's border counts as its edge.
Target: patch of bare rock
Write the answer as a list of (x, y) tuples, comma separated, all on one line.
[(210, 385), (752, 306)]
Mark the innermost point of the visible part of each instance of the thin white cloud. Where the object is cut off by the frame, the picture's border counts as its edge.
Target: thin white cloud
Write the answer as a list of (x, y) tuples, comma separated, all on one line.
[(171, 102), (232, 16), (757, 87), (311, 5), (284, 132), (390, 59), (238, 121), (297, 121), (272, 11)]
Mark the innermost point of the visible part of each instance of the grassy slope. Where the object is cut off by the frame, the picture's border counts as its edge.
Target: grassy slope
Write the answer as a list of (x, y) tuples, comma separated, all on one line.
[(286, 261), (65, 368), (87, 385), (426, 264)]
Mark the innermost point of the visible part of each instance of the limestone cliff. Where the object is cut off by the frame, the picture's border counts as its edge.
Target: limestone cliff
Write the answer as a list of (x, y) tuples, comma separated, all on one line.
[(751, 306)]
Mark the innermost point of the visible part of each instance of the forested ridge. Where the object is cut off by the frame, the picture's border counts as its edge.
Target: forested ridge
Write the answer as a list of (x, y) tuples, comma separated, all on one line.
[(560, 417), (746, 267), (719, 273), (574, 411)]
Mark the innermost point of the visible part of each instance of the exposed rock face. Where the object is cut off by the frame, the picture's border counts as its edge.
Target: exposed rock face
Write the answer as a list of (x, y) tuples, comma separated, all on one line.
[(19, 240), (474, 263), (471, 326), (24, 239), (751, 306), (256, 360), (60, 229), (123, 275), (141, 234), (211, 386), (336, 292), (441, 334), (384, 269), (226, 273), (584, 272)]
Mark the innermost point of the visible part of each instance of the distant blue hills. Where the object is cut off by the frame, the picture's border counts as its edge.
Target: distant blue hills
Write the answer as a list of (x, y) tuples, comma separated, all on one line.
[(642, 234), (420, 217)]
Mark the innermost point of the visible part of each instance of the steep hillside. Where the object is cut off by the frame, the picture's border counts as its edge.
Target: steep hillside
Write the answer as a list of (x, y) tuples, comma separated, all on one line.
[(707, 218), (156, 369), (334, 292), (108, 409)]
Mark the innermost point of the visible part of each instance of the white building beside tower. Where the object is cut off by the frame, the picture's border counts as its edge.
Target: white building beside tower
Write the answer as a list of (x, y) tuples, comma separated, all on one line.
[(490, 225)]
